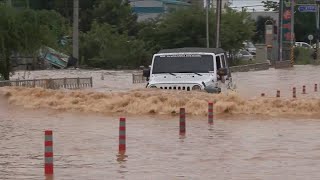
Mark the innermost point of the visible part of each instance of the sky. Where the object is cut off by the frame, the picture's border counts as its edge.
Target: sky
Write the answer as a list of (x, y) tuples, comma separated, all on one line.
[(240, 3)]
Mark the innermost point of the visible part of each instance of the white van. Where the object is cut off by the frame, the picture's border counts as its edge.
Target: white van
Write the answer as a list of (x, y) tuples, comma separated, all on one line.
[(201, 69)]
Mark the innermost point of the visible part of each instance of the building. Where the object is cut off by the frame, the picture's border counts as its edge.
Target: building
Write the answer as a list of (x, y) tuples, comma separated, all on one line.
[(146, 9), (213, 3), (272, 14)]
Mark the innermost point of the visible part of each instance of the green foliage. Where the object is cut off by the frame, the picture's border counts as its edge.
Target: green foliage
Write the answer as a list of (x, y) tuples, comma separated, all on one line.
[(182, 28), (303, 55), (24, 31), (116, 13), (270, 5), (104, 47), (236, 27), (187, 28), (108, 44), (305, 24), (260, 24)]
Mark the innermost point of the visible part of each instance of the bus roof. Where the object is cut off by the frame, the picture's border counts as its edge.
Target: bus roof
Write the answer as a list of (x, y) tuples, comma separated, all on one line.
[(193, 49)]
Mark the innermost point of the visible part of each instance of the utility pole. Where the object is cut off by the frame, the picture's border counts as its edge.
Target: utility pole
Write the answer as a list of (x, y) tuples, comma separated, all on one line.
[(9, 2), (75, 36), (280, 29), (218, 21), (207, 21), (318, 33), (292, 23)]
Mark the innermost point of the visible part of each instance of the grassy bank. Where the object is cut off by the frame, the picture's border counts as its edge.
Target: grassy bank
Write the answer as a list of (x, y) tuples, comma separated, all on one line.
[(303, 56)]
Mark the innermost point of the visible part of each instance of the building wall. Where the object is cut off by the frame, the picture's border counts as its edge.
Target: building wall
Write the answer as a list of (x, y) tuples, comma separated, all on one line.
[(213, 3), (147, 9)]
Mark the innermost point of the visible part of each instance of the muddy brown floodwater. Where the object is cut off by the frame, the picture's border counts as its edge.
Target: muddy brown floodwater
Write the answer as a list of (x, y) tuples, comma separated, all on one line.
[(252, 137)]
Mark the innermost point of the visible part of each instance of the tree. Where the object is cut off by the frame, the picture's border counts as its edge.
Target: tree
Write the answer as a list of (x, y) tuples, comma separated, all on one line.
[(186, 28), (9, 37), (182, 28), (65, 8), (270, 5), (117, 13), (260, 29), (305, 24), (104, 47), (236, 27), (24, 31)]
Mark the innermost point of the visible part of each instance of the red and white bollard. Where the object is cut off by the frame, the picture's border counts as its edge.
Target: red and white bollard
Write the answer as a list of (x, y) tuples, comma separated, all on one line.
[(48, 153), (315, 87), (294, 95), (210, 112), (122, 136), (303, 89), (278, 93), (182, 121)]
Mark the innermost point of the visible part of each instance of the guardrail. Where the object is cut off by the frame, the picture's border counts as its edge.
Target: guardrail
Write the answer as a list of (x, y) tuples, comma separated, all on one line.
[(59, 83), (138, 78)]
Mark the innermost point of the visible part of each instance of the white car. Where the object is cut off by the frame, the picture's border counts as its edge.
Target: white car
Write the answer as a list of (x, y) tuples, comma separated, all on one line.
[(189, 69), (245, 55), (249, 46), (303, 44)]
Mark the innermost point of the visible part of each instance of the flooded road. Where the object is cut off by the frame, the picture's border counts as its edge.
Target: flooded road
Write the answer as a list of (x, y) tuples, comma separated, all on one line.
[(239, 145)]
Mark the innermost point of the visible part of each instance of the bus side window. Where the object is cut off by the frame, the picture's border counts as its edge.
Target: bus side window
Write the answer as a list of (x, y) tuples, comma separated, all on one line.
[(218, 62), (223, 61)]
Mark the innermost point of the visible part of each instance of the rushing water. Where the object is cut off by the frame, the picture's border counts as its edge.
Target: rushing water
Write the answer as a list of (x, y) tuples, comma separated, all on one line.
[(252, 138)]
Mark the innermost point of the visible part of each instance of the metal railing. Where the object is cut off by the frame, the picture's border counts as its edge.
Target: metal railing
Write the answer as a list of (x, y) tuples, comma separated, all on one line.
[(138, 78), (58, 83)]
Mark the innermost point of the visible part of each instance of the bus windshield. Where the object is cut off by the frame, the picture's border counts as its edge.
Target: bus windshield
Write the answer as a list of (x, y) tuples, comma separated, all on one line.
[(183, 63)]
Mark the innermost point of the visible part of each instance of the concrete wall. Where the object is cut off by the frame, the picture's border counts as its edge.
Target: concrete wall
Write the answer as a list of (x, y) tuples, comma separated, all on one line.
[(261, 54), (283, 64), (250, 67)]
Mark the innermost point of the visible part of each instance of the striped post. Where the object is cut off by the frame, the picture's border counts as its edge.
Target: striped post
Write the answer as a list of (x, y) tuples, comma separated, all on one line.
[(210, 112), (48, 152), (182, 121), (122, 135), (278, 93), (294, 94), (303, 89), (315, 87), (292, 55)]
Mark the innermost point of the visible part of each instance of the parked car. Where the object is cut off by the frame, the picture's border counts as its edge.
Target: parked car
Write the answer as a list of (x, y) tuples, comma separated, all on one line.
[(249, 46), (304, 45), (244, 55), (315, 45)]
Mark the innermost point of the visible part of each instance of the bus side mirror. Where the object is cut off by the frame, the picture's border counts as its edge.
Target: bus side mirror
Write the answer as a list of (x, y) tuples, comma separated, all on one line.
[(222, 72), (146, 73)]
